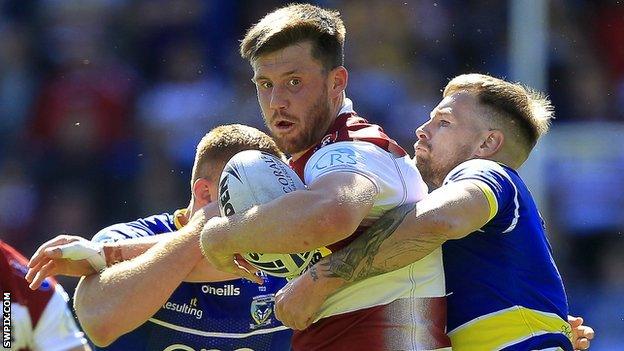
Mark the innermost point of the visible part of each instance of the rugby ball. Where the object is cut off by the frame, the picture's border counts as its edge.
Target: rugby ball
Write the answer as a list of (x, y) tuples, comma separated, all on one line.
[(251, 178)]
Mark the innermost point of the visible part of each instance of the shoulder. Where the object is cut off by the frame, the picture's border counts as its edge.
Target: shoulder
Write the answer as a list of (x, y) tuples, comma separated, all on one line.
[(152, 225), (476, 168), (346, 154), (498, 183)]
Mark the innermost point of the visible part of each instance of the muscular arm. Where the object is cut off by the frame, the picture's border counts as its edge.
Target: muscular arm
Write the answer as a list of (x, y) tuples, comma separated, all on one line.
[(124, 296), (54, 258), (329, 211), (404, 235), (128, 249)]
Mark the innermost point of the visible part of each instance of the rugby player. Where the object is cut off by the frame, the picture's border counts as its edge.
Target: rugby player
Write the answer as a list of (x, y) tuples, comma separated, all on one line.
[(504, 291), (38, 320), (354, 173), (154, 311)]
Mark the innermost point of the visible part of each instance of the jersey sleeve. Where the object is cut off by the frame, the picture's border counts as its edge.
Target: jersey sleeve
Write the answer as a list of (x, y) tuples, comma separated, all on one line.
[(56, 330), (363, 158), (497, 186), (143, 227)]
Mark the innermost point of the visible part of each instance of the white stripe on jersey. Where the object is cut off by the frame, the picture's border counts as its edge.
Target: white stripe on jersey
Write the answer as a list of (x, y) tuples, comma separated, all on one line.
[(514, 222), (216, 334)]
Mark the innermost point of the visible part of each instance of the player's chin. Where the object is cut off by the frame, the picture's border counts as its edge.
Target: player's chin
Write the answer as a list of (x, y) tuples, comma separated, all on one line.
[(421, 157), (291, 145)]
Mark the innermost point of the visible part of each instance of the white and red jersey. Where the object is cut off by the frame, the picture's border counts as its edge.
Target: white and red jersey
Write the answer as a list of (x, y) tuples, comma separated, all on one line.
[(40, 319), (404, 309)]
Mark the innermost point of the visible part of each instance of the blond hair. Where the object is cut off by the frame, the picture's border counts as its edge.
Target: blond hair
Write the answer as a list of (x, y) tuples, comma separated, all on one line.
[(294, 24), (223, 142), (523, 113)]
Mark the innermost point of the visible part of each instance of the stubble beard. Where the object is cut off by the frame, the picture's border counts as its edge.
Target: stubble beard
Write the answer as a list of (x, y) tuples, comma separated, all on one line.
[(314, 125), (434, 174), (429, 174)]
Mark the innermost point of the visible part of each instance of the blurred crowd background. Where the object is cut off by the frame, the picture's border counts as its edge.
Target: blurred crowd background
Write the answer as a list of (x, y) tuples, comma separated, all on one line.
[(103, 101)]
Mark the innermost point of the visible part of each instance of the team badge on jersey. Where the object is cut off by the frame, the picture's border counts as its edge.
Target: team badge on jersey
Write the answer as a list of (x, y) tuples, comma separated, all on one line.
[(261, 310), (328, 139)]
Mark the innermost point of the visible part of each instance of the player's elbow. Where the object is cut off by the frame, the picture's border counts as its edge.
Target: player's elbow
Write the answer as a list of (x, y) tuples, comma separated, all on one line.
[(101, 337), (100, 329), (439, 227), (339, 219), (100, 326)]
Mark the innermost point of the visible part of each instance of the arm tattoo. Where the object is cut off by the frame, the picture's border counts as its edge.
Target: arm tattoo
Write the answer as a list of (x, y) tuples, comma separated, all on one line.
[(314, 273), (355, 261)]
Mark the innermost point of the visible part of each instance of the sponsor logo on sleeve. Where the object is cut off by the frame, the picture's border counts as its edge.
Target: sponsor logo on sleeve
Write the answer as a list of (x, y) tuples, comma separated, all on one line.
[(343, 157)]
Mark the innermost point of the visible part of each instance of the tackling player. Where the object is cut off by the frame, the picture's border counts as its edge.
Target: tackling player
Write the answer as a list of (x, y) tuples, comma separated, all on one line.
[(156, 311), (354, 173), (39, 320), (504, 291)]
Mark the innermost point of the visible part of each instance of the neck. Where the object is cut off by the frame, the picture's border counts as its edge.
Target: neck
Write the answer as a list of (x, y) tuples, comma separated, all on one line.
[(337, 105)]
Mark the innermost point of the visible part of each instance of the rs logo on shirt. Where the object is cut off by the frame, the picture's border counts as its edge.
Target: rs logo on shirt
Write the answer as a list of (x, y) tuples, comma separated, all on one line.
[(342, 156)]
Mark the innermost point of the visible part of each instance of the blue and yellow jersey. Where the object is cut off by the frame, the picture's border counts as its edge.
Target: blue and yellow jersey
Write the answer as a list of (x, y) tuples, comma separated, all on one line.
[(228, 315), (504, 289)]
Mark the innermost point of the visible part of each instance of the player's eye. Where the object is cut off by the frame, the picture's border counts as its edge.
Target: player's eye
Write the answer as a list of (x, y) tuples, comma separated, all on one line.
[(444, 123), (266, 85), (294, 82)]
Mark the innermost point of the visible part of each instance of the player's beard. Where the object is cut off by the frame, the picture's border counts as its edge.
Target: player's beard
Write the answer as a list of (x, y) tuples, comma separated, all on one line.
[(428, 171), (433, 170), (313, 126)]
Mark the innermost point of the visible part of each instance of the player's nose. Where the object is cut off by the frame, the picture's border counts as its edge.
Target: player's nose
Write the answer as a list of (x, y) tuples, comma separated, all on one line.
[(278, 99), (421, 133)]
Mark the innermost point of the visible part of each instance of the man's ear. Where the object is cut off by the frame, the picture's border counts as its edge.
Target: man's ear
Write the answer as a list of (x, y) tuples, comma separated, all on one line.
[(339, 77), (492, 143), (201, 192)]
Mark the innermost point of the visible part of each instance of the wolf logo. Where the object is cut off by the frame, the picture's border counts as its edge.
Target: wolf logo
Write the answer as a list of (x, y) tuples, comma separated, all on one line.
[(261, 310)]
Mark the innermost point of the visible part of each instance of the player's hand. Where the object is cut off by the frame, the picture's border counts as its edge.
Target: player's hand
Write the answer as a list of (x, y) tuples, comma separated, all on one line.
[(234, 264), (581, 334), (222, 260), (298, 303), (65, 255)]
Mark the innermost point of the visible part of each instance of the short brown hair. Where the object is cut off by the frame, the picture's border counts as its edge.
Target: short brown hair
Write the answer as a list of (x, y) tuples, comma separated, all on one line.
[(223, 142), (294, 24), (518, 108)]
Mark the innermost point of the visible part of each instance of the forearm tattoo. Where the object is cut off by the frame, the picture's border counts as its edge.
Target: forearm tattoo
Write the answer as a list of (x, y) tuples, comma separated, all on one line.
[(357, 260), (313, 273)]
